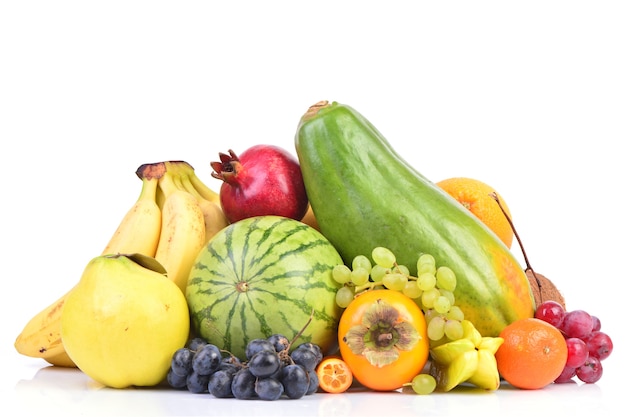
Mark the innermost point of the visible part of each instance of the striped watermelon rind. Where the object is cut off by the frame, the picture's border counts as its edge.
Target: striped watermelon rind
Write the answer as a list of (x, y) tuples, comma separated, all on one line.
[(265, 275)]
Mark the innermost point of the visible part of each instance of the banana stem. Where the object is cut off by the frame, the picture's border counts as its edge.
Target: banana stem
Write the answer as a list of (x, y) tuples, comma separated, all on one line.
[(148, 189), (187, 185), (202, 188), (168, 184)]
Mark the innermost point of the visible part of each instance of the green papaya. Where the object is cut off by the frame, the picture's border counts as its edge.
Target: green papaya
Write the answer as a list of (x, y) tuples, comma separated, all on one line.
[(364, 195)]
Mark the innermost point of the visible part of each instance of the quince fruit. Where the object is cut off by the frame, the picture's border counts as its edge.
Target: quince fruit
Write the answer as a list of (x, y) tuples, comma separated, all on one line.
[(124, 320)]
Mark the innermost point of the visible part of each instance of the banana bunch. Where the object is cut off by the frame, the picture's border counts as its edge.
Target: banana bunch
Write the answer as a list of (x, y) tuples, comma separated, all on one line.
[(191, 214), (470, 359), (173, 218)]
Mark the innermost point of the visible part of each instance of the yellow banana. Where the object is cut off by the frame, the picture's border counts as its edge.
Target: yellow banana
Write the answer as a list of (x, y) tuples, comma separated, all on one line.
[(61, 359), (206, 192), (182, 231), (41, 337), (138, 231), (214, 217)]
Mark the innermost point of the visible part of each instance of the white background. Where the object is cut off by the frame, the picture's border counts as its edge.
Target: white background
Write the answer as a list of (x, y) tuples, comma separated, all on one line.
[(526, 96)]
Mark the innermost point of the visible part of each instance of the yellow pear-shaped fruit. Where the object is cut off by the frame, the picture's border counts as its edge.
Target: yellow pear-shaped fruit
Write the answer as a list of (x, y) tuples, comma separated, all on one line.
[(123, 321)]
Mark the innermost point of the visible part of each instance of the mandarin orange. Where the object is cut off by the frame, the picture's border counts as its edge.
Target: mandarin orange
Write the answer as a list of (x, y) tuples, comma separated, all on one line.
[(477, 197), (532, 355)]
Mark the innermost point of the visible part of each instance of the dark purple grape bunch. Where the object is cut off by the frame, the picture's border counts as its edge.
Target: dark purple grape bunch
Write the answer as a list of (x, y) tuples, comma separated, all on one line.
[(269, 371)]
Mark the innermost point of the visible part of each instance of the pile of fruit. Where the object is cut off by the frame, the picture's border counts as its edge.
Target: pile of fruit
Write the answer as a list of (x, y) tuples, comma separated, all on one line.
[(381, 277)]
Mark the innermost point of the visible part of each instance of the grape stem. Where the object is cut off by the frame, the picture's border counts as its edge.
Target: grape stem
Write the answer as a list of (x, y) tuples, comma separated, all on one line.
[(494, 195), (366, 287), (371, 285), (303, 328)]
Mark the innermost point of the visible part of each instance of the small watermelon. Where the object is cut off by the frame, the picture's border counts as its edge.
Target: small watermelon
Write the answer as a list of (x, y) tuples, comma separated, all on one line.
[(265, 275)]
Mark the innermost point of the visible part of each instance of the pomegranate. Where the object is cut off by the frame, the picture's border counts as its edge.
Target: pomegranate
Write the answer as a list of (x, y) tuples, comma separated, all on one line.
[(263, 180)]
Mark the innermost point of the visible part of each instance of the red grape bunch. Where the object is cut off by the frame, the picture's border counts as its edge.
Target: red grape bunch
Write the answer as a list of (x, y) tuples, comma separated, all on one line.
[(587, 344)]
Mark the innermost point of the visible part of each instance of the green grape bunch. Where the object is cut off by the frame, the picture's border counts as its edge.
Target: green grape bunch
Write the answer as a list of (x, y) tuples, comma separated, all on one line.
[(432, 288)]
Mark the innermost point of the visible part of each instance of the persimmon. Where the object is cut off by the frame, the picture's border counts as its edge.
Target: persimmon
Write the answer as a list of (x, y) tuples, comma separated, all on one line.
[(382, 338)]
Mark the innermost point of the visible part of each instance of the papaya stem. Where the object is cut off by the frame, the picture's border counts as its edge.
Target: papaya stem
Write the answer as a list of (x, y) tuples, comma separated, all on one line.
[(494, 195), (312, 111)]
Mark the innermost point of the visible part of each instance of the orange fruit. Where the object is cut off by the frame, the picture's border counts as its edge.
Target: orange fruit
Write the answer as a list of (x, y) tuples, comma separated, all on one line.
[(334, 375), (476, 196), (532, 355), (309, 219)]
